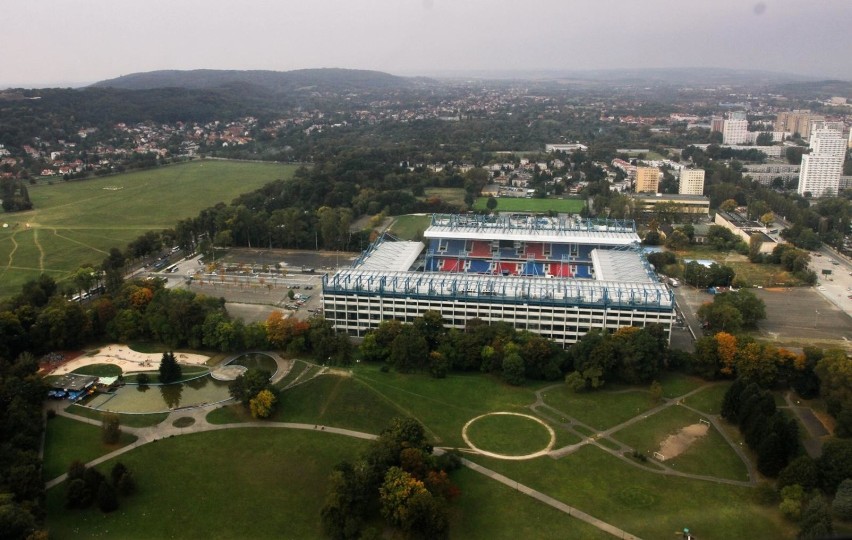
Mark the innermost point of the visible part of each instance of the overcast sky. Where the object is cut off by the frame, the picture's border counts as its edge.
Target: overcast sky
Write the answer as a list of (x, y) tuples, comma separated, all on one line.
[(49, 42)]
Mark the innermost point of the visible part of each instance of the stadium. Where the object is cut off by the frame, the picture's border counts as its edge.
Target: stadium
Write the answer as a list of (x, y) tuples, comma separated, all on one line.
[(556, 276)]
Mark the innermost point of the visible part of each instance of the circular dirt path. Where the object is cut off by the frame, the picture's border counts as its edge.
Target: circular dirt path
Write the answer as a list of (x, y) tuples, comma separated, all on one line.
[(540, 453)]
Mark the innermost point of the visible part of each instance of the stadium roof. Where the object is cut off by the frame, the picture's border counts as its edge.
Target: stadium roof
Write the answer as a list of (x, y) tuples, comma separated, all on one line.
[(514, 289), (563, 230), (390, 256), (611, 265)]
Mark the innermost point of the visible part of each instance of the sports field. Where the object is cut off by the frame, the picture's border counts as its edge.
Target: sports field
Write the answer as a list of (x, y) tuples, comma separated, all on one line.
[(511, 204), (76, 223)]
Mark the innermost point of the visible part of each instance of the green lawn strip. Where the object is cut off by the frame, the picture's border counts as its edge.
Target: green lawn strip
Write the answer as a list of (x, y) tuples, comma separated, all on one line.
[(604, 441), (297, 368), (443, 406), (99, 370), (677, 384), (409, 227), (129, 420), (644, 503), (247, 483), (332, 400), (450, 195), (489, 510), (76, 223), (709, 455), (564, 437), (147, 347), (67, 440), (521, 204), (599, 409), (709, 400), (508, 435)]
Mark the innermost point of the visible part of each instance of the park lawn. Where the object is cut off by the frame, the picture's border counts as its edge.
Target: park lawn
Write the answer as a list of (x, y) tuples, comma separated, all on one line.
[(490, 510), (509, 435), (247, 483), (748, 273), (444, 406), (129, 420), (647, 504), (520, 204), (709, 400), (296, 369), (99, 370), (410, 227), (451, 195), (676, 384), (76, 223), (328, 400), (599, 409), (67, 440), (710, 455)]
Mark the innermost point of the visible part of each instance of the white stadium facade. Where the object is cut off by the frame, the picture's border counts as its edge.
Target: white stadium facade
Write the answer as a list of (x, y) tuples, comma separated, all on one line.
[(555, 276)]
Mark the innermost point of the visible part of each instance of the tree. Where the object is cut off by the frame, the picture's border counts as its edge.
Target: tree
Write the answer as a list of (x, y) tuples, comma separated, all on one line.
[(77, 494), (767, 219), (835, 375), (491, 204), (513, 368), (842, 504), (110, 428), (107, 499), (728, 205), (249, 384), (170, 370), (835, 464), (677, 240), (791, 502), (726, 348), (816, 520), (801, 471), (263, 404), (395, 494), (655, 392)]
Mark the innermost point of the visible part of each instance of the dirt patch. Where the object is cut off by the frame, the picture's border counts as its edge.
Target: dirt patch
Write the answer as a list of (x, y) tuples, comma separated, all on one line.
[(676, 444)]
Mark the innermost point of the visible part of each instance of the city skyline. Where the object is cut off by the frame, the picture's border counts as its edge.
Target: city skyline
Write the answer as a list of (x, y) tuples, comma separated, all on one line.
[(63, 44)]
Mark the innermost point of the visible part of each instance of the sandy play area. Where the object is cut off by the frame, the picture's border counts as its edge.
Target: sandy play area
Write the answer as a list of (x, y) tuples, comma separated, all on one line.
[(125, 358), (676, 444)]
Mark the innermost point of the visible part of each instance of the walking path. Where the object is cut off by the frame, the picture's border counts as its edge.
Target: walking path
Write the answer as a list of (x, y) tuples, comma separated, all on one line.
[(813, 426)]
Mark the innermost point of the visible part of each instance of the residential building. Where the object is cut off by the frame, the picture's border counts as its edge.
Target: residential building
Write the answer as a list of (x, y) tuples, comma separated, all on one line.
[(797, 122), (647, 179), (672, 204), (691, 182), (765, 173), (822, 167), (735, 129)]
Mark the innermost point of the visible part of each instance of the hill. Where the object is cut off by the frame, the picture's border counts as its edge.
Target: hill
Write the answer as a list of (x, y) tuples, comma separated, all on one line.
[(274, 81)]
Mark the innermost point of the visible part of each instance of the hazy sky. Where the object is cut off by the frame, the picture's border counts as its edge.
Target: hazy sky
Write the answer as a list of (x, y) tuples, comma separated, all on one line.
[(79, 41)]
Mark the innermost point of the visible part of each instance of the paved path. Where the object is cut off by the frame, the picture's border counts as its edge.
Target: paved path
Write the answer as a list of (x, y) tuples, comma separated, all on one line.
[(813, 427)]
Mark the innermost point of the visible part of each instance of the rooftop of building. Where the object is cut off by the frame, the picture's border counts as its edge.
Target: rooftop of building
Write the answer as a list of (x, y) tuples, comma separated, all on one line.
[(529, 228), (621, 266), (740, 221), (672, 197), (501, 288), (387, 254)]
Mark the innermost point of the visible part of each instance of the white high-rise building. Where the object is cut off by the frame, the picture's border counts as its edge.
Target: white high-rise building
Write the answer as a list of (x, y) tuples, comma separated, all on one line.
[(691, 182), (822, 167), (735, 129)]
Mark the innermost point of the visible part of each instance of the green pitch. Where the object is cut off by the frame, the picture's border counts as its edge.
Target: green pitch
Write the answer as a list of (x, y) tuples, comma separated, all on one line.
[(76, 223), (511, 204)]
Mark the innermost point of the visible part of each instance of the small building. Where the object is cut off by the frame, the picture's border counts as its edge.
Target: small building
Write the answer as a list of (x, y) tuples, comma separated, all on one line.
[(695, 205), (74, 386), (743, 227)]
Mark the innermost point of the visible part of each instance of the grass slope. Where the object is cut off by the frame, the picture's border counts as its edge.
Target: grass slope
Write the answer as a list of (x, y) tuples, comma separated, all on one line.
[(410, 227), (76, 223), (67, 440), (600, 410)]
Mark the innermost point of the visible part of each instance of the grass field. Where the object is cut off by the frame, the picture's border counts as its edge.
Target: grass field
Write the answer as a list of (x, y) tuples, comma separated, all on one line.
[(600, 410), (635, 499), (646, 504), (526, 436), (710, 455), (410, 227), (76, 223), (709, 400), (451, 195), (129, 420), (67, 440), (748, 273), (512, 204)]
